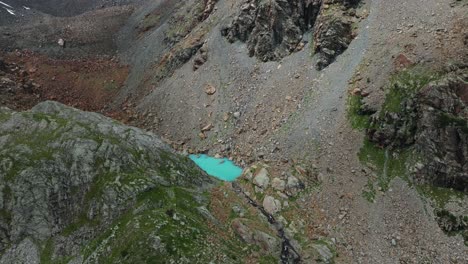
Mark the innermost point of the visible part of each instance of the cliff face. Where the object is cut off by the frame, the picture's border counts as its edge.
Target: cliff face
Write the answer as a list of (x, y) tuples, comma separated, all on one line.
[(77, 185), (272, 29), (432, 116), (275, 29)]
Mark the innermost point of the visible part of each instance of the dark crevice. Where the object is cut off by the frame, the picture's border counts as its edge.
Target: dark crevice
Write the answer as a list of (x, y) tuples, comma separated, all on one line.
[(288, 253)]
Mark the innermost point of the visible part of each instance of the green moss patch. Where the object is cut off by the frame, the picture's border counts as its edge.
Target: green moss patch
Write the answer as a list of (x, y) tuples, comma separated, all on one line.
[(447, 120), (387, 164), (405, 85), (165, 225), (357, 117), (138, 204), (439, 195)]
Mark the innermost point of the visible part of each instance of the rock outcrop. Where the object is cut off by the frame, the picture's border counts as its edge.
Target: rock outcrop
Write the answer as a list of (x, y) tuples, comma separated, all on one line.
[(268, 243), (272, 29), (433, 119), (79, 186), (275, 29), (331, 38), (442, 133)]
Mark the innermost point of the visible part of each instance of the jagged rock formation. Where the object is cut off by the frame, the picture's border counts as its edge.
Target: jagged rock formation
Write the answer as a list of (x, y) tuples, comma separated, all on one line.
[(443, 132), (331, 38), (78, 186), (272, 29), (275, 29), (434, 119)]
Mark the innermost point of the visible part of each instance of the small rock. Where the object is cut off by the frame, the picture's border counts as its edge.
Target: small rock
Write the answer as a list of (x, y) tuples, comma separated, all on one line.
[(237, 114), (207, 127), (356, 91), (225, 117), (248, 174), (209, 89), (61, 43), (293, 182)]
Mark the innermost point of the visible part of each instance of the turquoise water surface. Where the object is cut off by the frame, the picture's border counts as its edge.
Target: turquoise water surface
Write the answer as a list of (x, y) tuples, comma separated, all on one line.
[(223, 169)]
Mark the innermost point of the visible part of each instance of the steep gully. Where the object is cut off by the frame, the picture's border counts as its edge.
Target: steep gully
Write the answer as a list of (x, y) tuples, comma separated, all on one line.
[(288, 253)]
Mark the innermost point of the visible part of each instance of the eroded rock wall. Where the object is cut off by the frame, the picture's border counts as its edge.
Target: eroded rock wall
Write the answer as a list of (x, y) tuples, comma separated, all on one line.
[(435, 121), (275, 29), (272, 29)]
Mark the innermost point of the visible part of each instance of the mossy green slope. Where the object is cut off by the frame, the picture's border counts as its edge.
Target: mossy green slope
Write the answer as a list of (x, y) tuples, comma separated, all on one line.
[(87, 189)]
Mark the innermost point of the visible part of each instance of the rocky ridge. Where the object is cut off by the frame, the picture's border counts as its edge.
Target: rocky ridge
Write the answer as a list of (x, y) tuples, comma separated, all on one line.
[(76, 186)]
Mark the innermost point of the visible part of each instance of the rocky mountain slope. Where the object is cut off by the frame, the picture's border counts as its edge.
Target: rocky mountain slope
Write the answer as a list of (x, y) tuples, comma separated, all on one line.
[(350, 119), (79, 187)]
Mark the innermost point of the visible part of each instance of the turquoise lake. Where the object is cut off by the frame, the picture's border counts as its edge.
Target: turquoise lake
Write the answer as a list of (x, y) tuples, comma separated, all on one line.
[(223, 168)]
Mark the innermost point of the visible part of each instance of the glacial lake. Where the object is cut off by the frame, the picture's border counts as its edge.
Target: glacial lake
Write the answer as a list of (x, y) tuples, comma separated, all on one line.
[(223, 168)]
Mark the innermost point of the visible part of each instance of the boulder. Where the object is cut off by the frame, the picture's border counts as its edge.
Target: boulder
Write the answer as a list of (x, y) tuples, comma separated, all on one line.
[(293, 186), (266, 242), (278, 184), (293, 182), (271, 205), (61, 43), (210, 89), (262, 179)]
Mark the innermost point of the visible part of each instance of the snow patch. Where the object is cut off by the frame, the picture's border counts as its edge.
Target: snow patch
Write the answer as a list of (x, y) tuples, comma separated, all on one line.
[(10, 11), (27, 8), (7, 5)]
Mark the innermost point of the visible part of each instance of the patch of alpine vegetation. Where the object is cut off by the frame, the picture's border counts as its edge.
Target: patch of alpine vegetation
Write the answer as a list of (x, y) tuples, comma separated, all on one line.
[(429, 112), (76, 186), (275, 29)]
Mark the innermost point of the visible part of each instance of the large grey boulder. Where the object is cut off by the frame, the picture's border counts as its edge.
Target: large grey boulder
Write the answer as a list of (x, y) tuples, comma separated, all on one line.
[(271, 205), (262, 179), (278, 184)]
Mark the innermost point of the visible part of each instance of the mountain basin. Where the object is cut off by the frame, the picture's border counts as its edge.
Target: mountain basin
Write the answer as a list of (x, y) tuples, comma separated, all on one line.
[(221, 168)]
